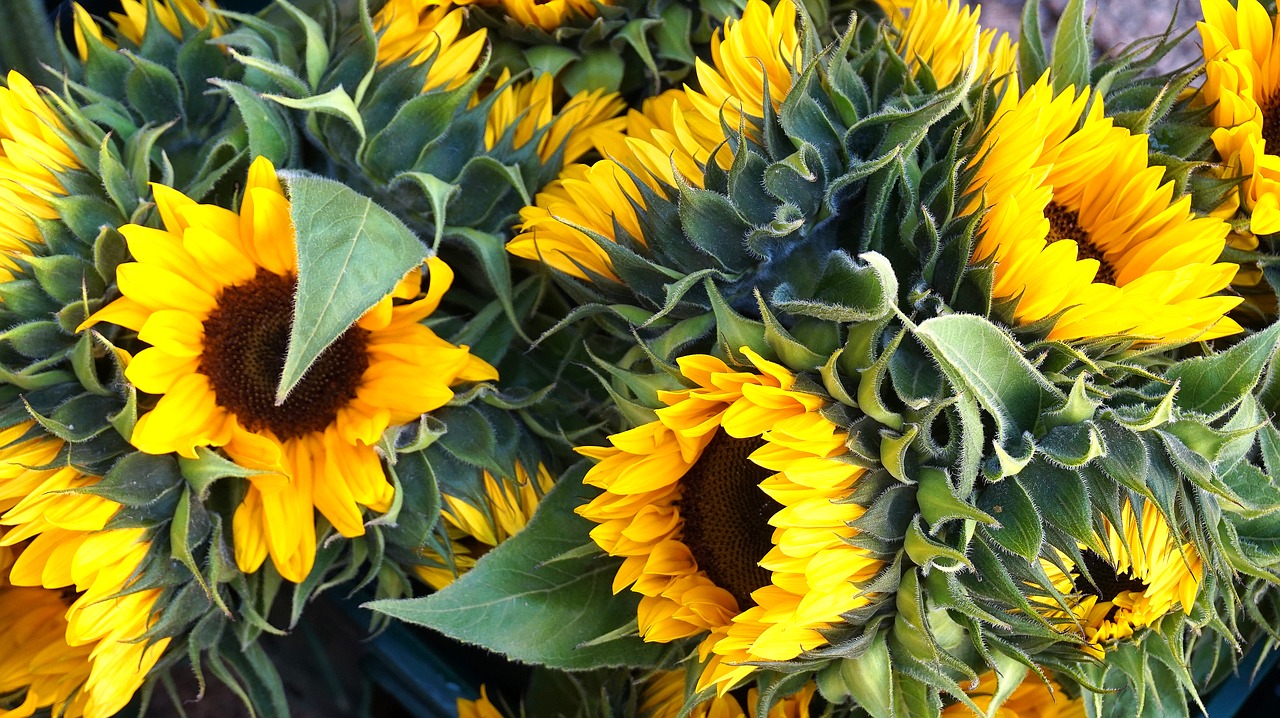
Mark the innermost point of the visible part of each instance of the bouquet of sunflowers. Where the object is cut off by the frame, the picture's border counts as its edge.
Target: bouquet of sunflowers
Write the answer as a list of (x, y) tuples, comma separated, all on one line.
[(713, 358)]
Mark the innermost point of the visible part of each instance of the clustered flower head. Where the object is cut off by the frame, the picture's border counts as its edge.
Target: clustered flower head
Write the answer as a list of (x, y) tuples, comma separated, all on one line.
[(769, 359)]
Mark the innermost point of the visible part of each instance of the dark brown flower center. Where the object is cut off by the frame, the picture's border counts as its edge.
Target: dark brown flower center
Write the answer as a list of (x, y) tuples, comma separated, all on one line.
[(1106, 583), (245, 340), (1064, 223), (1271, 122), (726, 516)]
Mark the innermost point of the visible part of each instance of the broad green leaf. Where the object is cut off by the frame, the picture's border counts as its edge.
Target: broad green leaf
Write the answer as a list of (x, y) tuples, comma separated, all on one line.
[(351, 254), (1210, 385), (1072, 49), (520, 604), (980, 359)]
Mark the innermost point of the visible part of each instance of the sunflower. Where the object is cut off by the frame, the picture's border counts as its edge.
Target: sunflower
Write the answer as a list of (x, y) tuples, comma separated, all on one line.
[(32, 154), (212, 293), (1082, 232), (587, 120), (418, 31), (730, 512), (473, 529), (757, 53), (946, 36), (36, 663), (675, 132), (1242, 90), (1146, 573), (131, 22), (61, 545), (1031, 699), (663, 695)]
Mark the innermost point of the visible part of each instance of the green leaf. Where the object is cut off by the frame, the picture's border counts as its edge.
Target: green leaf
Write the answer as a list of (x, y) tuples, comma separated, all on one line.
[(550, 59), (317, 53), (1020, 530), (137, 480), (79, 419), (712, 225), (733, 330), (597, 70), (635, 34), (209, 466), (867, 678), (792, 352), (938, 503), (1072, 49), (674, 32), (115, 178), (468, 435), (438, 193), (351, 254), (188, 530), (980, 359), (1210, 385), (1062, 492), (270, 135), (927, 553), (1073, 445), (153, 91), (559, 607), (1032, 59), (335, 102), (846, 291)]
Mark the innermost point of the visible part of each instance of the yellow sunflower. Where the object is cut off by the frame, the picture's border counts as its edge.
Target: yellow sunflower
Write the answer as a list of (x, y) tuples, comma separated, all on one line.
[(663, 696), (61, 544), (588, 120), (592, 197), (1031, 699), (1242, 90), (212, 293), (1147, 573), (730, 512), (676, 131), (1082, 229), (473, 530), (946, 36), (36, 663), (762, 49), (32, 154), (131, 22), (418, 30)]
